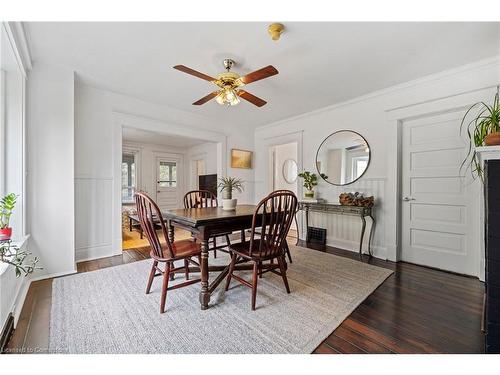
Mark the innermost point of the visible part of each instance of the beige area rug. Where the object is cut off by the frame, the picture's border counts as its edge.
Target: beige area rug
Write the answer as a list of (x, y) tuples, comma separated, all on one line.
[(107, 311)]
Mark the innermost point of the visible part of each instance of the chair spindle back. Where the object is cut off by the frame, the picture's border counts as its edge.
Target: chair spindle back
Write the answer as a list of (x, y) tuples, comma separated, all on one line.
[(149, 217), (200, 199), (277, 211)]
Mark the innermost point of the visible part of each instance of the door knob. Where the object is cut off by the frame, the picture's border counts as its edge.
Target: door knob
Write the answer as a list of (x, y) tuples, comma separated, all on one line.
[(407, 199)]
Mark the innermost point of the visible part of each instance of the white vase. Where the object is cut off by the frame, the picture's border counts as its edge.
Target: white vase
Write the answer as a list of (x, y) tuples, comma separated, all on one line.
[(229, 204)]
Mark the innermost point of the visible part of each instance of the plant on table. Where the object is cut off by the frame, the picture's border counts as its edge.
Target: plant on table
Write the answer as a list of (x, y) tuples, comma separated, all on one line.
[(310, 181), (226, 186)]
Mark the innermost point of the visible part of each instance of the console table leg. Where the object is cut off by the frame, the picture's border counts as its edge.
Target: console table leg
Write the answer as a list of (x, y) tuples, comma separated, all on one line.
[(307, 224), (371, 235), (298, 232), (363, 227)]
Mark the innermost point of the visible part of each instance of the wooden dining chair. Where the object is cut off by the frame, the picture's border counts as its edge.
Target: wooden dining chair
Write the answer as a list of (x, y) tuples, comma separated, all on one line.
[(202, 199), (167, 252), (287, 248), (273, 216)]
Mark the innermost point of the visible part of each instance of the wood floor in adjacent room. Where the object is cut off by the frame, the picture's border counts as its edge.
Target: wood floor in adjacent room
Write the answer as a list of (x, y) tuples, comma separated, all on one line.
[(416, 310)]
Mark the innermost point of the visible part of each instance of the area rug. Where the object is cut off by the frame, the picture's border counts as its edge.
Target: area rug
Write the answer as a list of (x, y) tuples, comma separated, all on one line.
[(107, 311)]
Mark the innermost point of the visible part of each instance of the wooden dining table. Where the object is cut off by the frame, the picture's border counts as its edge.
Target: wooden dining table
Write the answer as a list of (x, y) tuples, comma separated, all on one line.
[(204, 223)]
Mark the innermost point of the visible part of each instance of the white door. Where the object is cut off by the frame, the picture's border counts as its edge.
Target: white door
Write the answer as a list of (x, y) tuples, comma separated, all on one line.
[(436, 208), (168, 187)]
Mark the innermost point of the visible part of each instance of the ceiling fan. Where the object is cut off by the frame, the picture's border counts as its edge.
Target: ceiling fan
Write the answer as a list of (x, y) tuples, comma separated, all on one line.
[(229, 84)]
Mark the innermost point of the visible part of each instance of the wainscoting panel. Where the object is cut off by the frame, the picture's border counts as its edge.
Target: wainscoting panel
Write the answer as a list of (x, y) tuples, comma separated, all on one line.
[(344, 231), (93, 217)]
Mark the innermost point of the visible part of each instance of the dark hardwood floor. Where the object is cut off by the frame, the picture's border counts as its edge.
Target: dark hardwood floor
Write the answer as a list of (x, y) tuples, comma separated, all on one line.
[(416, 310)]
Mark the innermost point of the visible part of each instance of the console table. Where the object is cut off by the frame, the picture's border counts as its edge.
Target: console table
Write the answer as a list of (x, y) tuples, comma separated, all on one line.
[(338, 209)]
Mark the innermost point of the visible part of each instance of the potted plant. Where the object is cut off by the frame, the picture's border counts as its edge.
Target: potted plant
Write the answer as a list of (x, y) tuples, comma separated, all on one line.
[(310, 181), (11, 254), (6, 207), (226, 186), (482, 130)]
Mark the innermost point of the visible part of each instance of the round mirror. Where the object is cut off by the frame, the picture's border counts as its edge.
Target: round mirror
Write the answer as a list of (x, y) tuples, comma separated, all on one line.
[(290, 171), (343, 157)]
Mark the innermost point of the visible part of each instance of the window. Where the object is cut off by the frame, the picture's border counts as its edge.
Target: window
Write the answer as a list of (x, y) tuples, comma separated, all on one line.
[(12, 131), (129, 181), (167, 174), (359, 164)]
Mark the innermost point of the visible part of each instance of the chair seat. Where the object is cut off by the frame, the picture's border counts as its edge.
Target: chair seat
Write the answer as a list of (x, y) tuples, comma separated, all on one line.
[(243, 249), (185, 249)]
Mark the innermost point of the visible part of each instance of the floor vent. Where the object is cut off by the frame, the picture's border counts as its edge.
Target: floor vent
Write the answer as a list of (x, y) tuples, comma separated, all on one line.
[(316, 235)]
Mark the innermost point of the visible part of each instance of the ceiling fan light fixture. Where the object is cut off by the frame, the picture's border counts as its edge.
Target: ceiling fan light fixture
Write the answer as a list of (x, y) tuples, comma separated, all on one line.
[(227, 96)]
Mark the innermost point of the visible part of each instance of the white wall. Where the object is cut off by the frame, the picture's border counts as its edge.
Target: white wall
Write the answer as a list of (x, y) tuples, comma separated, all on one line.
[(50, 181), (368, 116), (242, 139)]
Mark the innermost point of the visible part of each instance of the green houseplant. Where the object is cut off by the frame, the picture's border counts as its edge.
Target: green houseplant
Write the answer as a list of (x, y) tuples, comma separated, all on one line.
[(226, 186), (7, 204), (482, 130), (310, 181)]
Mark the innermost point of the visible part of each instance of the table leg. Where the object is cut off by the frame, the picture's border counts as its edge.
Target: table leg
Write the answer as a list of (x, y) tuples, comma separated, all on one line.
[(242, 236), (363, 227), (371, 235), (171, 237), (129, 224), (204, 293)]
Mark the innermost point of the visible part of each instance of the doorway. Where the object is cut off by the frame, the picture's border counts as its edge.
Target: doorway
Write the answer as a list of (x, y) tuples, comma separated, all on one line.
[(157, 161), (283, 167)]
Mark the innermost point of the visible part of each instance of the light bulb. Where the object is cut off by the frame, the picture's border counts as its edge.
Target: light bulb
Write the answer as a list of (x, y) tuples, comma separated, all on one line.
[(220, 98), (232, 97)]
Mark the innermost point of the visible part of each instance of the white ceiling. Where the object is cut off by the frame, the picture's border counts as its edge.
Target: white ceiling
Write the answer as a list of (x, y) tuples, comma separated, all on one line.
[(143, 136), (319, 63)]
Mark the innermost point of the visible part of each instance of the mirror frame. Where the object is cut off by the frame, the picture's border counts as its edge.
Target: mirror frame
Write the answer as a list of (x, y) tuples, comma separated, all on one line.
[(283, 171), (362, 174)]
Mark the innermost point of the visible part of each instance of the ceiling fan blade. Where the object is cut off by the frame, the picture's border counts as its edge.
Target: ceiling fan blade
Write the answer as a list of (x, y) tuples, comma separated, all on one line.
[(195, 73), (206, 98), (251, 98), (268, 71)]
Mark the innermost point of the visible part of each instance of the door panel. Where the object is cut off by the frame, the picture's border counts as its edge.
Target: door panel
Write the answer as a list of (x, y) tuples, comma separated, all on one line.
[(435, 206)]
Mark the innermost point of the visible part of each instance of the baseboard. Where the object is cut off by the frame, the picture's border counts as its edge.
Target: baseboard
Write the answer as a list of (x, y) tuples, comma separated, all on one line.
[(96, 252), (379, 252), (53, 275)]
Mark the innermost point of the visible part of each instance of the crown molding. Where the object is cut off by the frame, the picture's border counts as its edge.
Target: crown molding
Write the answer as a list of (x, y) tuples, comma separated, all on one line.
[(19, 43)]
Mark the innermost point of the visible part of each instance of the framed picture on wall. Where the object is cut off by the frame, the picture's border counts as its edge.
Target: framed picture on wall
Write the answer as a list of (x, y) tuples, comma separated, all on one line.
[(241, 159)]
